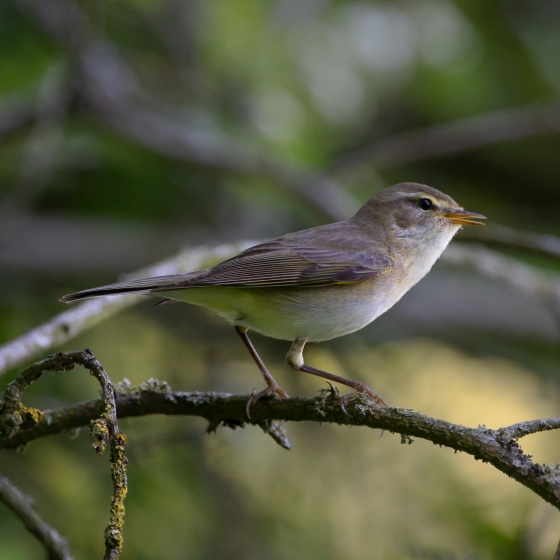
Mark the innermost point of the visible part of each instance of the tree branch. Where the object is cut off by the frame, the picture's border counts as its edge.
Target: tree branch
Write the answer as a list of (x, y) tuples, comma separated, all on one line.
[(103, 427), (523, 429), (497, 447), (454, 137), (503, 236), (108, 85), (22, 505), (15, 113), (69, 324), (507, 270), (110, 88)]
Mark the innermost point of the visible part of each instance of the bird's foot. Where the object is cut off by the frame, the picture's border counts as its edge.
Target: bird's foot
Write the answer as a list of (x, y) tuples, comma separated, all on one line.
[(272, 390), (361, 389)]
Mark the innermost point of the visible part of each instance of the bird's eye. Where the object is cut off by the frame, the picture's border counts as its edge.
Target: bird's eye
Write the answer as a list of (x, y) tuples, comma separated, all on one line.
[(425, 204)]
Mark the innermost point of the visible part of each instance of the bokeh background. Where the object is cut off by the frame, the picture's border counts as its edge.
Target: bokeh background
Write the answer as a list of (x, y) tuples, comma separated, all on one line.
[(130, 129)]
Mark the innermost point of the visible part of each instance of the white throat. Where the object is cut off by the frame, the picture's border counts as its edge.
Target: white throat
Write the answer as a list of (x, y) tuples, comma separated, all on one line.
[(426, 254)]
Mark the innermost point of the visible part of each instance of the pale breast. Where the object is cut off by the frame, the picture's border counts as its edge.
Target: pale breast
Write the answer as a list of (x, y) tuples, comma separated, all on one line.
[(314, 313), (318, 313)]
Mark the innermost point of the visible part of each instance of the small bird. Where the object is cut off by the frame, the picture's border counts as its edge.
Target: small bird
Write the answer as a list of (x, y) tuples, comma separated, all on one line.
[(319, 283)]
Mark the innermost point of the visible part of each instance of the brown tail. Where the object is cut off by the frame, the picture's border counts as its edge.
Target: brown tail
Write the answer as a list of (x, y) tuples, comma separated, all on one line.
[(142, 286)]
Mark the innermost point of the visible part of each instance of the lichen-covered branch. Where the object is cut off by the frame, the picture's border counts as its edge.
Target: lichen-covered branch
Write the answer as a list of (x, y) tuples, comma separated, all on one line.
[(103, 427), (22, 505), (497, 447), (523, 429)]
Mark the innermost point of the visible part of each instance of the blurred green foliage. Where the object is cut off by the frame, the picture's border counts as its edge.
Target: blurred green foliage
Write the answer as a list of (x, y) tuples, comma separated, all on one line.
[(306, 85)]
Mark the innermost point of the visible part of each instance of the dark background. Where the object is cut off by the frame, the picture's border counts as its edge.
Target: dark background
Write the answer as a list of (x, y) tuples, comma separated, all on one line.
[(132, 129)]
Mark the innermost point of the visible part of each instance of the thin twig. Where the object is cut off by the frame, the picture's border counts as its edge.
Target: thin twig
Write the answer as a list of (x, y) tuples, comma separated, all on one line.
[(103, 427), (56, 546), (523, 429)]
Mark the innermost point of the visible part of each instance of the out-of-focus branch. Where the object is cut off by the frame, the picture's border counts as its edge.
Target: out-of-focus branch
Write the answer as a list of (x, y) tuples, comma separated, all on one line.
[(507, 270), (15, 113), (55, 545), (172, 138), (109, 87), (454, 137), (32, 243), (497, 447), (111, 90), (103, 427), (503, 236), (68, 324), (60, 18), (170, 135), (41, 150)]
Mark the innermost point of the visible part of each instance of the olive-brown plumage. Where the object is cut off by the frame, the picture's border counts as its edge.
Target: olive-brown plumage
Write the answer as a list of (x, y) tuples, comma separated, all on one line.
[(323, 282)]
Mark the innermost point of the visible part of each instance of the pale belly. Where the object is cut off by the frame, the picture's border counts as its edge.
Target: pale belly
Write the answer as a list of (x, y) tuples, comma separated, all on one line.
[(314, 313), (317, 313)]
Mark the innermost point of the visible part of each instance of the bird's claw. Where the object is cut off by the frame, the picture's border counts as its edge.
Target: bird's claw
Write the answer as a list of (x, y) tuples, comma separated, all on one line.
[(273, 390), (362, 390)]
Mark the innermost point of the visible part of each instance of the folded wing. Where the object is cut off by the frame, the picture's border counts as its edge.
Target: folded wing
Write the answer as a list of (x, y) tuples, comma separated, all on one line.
[(264, 266), (271, 265)]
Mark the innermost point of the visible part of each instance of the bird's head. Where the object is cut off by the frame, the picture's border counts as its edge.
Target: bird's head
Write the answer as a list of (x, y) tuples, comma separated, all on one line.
[(415, 212)]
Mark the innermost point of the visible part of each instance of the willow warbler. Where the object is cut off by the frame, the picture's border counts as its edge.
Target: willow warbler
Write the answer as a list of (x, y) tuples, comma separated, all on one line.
[(319, 283)]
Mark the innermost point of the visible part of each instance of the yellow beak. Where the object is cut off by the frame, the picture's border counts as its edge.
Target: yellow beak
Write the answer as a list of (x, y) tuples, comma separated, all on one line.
[(464, 218)]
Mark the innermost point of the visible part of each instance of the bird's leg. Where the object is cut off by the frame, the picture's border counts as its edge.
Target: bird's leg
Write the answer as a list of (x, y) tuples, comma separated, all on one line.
[(294, 357), (272, 387)]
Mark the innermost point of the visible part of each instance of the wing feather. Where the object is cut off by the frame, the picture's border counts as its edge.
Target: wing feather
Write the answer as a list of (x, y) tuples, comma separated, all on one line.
[(278, 266), (268, 265)]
